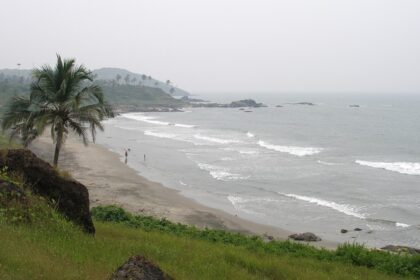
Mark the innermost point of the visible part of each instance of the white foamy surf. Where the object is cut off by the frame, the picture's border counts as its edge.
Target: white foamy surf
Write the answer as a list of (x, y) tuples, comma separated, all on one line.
[(343, 208), (152, 120), (240, 203), (410, 168), (293, 150), (160, 134), (402, 225), (220, 173), (215, 139), (250, 135), (326, 163)]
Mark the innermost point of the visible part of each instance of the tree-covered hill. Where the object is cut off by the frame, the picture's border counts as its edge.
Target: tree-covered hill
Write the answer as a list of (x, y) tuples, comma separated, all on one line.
[(123, 96)]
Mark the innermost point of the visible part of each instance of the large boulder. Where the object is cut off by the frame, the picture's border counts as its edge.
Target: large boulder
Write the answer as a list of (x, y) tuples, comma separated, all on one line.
[(306, 236), (72, 197), (139, 268), (10, 191)]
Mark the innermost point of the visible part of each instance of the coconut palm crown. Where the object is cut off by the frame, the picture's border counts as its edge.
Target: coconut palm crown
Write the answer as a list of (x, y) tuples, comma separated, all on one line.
[(63, 99)]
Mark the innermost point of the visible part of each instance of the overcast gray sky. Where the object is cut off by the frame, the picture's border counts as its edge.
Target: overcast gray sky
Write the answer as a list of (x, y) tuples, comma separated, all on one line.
[(226, 45)]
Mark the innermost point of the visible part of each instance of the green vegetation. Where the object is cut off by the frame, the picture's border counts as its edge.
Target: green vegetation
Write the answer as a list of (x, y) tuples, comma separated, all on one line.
[(38, 243), (61, 98), (132, 97), (139, 94), (348, 253)]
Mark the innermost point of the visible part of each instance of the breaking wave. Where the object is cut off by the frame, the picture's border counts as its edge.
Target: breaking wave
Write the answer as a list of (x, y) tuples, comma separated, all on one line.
[(160, 134), (343, 208), (326, 163), (410, 168), (240, 203), (215, 140), (152, 120), (220, 173), (293, 150), (250, 135)]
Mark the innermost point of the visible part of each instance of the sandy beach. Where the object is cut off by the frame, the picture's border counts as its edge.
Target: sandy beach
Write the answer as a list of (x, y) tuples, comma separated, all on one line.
[(110, 181)]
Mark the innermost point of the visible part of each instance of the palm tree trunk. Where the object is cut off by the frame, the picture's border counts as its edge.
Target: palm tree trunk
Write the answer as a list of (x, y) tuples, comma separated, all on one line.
[(58, 147)]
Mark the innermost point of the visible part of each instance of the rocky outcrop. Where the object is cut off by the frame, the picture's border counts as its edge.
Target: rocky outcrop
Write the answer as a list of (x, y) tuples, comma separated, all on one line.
[(72, 197), (235, 104), (402, 249), (245, 103), (306, 236), (139, 268)]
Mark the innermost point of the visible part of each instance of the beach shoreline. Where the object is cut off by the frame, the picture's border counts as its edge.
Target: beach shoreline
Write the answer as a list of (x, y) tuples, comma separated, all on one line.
[(110, 181)]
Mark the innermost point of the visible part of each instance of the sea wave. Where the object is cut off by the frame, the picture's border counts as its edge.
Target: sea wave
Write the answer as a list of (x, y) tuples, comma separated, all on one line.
[(152, 120), (410, 168), (160, 134), (293, 150), (215, 140), (402, 225), (250, 135), (240, 203), (327, 163), (343, 208), (220, 173)]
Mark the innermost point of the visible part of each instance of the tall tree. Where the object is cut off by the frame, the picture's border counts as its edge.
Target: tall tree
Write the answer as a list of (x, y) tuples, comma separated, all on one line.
[(62, 99), (118, 78), (127, 79)]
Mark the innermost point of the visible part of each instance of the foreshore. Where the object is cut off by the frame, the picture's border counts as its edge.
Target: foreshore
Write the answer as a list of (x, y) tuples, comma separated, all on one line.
[(110, 181)]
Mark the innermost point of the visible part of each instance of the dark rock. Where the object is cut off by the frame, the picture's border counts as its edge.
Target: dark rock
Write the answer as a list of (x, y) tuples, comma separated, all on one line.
[(139, 268), (307, 236), (245, 103), (303, 103), (354, 106), (357, 229), (72, 197), (279, 106), (344, 230), (402, 249), (10, 191), (268, 238)]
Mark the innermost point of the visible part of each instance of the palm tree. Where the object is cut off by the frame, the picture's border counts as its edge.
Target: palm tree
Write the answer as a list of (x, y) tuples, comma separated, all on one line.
[(63, 99)]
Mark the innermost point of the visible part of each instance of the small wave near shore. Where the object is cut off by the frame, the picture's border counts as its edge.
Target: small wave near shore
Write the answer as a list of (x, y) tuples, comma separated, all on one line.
[(293, 150), (410, 168)]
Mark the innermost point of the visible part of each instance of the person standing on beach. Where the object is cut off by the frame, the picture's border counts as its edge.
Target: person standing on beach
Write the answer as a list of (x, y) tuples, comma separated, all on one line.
[(144, 157), (126, 156)]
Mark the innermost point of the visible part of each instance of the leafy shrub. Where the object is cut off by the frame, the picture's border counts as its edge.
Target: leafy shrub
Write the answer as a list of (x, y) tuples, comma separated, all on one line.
[(355, 254)]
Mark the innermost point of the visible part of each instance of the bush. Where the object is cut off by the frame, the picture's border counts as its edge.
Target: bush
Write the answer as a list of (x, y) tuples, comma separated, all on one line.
[(355, 254)]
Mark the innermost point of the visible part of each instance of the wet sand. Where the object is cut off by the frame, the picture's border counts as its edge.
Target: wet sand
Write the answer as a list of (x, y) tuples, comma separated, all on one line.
[(110, 181)]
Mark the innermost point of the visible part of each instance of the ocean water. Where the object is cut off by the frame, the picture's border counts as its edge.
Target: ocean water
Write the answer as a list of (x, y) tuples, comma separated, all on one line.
[(318, 168)]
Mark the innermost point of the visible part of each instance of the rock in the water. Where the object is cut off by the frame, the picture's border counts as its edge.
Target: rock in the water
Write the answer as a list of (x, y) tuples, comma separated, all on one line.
[(344, 230), (357, 229), (306, 236), (402, 249), (245, 103), (139, 268), (72, 197)]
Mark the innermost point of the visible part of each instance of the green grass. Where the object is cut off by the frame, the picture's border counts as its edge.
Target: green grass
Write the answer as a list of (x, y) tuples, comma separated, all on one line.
[(63, 252), (354, 254), (43, 245)]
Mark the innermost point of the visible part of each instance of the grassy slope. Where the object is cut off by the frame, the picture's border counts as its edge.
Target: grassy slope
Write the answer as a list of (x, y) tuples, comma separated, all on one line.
[(62, 252)]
